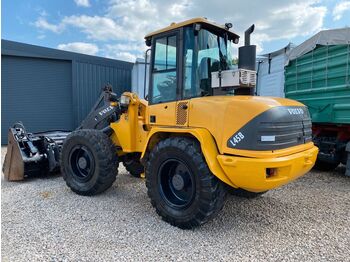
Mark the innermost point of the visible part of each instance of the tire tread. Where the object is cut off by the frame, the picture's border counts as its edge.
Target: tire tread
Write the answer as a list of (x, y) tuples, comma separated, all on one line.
[(212, 189), (107, 161)]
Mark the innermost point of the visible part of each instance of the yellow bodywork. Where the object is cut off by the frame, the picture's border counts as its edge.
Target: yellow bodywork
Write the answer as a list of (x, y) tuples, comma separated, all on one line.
[(211, 121)]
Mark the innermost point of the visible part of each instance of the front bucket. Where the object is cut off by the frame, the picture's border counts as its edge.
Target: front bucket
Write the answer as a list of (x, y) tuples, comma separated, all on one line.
[(13, 166)]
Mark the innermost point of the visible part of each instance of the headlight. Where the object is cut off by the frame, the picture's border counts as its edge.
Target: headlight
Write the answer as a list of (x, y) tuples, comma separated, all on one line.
[(124, 100)]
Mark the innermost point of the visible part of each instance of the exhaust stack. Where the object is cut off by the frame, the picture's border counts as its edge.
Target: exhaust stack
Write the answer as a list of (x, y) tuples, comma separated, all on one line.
[(247, 53), (247, 56), (247, 34)]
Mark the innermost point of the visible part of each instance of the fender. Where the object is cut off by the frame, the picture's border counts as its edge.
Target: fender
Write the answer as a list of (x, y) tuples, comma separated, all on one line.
[(206, 141)]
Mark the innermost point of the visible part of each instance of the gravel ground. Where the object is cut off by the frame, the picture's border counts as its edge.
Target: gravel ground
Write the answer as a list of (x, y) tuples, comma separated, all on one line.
[(307, 220)]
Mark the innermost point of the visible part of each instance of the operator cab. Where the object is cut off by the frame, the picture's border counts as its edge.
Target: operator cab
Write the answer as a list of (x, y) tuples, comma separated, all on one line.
[(195, 58)]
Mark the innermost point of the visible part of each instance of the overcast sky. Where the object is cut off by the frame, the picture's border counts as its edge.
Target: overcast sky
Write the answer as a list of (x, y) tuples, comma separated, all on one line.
[(115, 28)]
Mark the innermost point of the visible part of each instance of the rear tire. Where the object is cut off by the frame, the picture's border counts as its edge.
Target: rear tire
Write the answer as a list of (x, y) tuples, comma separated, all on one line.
[(325, 166), (89, 162), (180, 185)]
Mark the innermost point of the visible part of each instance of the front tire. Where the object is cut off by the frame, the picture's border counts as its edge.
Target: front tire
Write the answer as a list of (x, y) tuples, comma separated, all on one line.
[(180, 185), (89, 162)]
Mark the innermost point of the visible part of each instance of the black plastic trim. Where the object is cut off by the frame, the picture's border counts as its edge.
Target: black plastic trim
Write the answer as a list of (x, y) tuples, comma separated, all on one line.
[(277, 128)]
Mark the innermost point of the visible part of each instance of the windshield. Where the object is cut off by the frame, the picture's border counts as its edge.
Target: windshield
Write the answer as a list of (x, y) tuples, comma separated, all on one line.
[(205, 53), (213, 48)]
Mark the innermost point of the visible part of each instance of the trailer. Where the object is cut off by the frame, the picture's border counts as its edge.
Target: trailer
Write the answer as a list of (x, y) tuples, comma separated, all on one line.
[(317, 74), (270, 72)]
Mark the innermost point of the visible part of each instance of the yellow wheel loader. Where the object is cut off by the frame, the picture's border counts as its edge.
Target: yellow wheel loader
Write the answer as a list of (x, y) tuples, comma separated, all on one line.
[(200, 132)]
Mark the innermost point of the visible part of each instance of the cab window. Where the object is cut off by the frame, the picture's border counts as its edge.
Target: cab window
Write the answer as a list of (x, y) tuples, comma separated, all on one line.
[(203, 54), (164, 82)]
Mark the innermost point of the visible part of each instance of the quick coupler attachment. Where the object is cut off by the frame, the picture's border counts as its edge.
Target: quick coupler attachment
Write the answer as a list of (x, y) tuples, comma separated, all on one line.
[(31, 154)]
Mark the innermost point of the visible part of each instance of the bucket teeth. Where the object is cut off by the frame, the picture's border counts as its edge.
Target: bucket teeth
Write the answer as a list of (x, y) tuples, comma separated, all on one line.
[(13, 167)]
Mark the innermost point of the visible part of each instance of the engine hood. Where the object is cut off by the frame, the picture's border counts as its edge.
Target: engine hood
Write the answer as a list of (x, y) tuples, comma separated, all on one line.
[(237, 118)]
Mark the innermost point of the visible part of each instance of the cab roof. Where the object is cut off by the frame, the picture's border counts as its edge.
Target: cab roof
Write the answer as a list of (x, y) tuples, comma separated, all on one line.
[(198, 20)]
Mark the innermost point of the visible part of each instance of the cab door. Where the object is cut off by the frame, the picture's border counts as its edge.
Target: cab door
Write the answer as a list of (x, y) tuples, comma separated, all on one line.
[(164, 82)]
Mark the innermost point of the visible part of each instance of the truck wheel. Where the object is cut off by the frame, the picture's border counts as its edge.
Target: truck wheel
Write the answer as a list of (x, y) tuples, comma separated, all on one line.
[(89, 162), (244, 193), (133, 165), (180, 185), (325, 166)]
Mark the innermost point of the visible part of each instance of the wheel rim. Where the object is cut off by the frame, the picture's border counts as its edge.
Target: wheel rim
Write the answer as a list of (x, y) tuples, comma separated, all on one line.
[(81, 162), (176, 183)]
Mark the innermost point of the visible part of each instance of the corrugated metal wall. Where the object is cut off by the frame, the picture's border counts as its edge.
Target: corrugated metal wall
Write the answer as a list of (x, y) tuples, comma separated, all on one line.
[(89, 79), (36, 92), (52, 89)]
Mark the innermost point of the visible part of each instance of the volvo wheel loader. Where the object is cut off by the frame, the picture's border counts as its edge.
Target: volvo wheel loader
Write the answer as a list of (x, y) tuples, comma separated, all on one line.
[(200, 132)]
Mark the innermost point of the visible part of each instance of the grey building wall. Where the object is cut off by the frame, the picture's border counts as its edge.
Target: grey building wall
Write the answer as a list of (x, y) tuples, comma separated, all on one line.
[(49, 89), (89, 78), (138, 77)]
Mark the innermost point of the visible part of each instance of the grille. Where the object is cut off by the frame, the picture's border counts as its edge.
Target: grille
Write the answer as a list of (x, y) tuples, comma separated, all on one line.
[(244, 77), (278, 135), (181, 113), (252, 78), (247, 77)]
